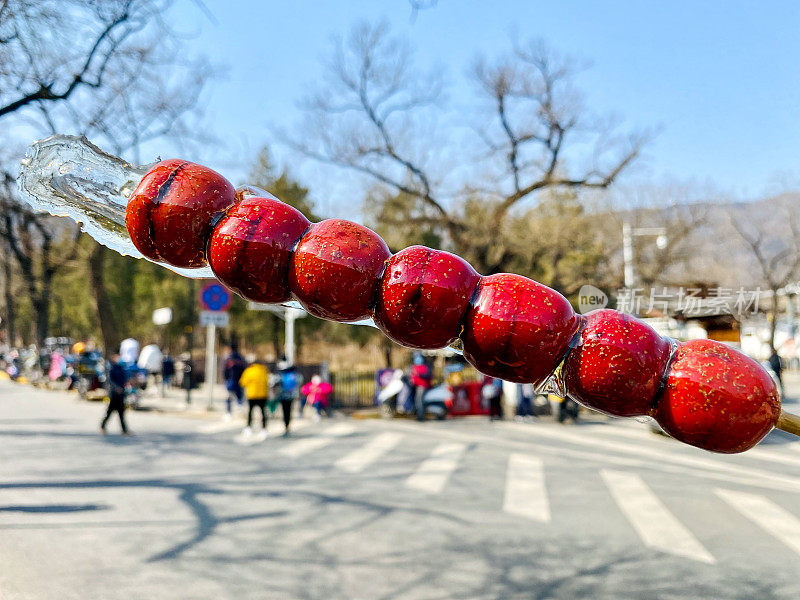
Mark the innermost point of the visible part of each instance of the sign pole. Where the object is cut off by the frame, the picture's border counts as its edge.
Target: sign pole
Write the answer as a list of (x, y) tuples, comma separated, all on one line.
[(211, 363), (290, 316), (215, 300)]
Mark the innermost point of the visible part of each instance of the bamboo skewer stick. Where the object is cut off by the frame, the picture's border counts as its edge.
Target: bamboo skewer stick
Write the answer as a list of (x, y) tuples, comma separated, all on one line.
[(789, 423)]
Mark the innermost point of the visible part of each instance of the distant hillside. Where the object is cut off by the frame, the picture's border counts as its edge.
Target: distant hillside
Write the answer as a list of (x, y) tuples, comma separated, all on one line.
[(711, 251)]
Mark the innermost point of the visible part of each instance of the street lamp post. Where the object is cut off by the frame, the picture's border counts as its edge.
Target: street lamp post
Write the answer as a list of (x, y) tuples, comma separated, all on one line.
[(289, 315), (628, 233)]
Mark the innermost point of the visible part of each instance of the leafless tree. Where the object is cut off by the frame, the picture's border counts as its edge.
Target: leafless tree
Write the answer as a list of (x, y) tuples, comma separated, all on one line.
[(775, 251), (666, 265), (107, 69), (419, 5), (375, 114), (40, 250), (681, 210)]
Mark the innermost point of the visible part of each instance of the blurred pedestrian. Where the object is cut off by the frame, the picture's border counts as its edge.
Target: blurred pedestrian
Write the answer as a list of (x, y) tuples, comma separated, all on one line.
[(150, 362), (232, 372), (776, 364), (58, 366), (567, 409), (525, 393), (187, 375), (255, 383), (150, 359), (128, 351), (421, 380), (317, 392), (492, 391), (288, 391), (167, 372), (117, 381)]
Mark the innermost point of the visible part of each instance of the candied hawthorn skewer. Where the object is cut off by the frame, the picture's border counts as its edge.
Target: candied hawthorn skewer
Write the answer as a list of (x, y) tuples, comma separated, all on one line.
[(517, 329), (703, 393), (251, 247), (706, 395), (618, 365), (172, 211), (336, 268), (717, 398), (423, 297)]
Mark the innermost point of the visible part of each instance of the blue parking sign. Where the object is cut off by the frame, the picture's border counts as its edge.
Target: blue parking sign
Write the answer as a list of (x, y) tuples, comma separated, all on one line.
[(215, 297)]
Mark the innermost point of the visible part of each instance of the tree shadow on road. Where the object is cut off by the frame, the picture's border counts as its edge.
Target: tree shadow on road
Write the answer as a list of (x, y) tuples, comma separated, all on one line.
[(53, 508), (467, 558)]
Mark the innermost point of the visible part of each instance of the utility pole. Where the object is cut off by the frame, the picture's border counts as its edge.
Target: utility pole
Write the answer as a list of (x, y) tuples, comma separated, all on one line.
[(628, 233), (289, 334), (627, 254), (289, 315)]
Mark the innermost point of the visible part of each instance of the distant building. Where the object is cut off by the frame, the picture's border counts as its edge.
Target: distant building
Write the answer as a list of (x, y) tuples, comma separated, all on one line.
[(736, 317)]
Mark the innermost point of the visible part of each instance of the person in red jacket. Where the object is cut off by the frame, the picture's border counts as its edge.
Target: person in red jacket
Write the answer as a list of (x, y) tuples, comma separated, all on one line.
[(317, 393), (422, 380)]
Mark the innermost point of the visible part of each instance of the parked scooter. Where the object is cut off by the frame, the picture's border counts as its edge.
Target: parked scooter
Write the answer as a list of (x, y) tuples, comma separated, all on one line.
[(397, 398), (88, 373)]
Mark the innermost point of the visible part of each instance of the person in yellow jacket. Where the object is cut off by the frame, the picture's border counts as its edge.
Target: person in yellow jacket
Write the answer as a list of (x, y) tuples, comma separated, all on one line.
[(255, 382)]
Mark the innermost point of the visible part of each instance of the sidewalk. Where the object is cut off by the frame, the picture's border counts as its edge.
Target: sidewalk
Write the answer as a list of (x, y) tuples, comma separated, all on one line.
[(791, 382)]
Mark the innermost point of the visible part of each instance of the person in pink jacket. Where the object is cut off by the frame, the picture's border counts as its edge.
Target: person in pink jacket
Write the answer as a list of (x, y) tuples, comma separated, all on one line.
[(317, 393)]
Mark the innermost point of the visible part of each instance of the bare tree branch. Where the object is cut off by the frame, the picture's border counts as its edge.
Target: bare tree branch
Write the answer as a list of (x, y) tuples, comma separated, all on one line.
[(45, 92), (97, 70), (372, 116), (771, 253)]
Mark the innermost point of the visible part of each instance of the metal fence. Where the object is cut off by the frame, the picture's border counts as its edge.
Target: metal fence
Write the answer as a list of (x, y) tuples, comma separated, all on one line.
[(356, 388), (353, 389)]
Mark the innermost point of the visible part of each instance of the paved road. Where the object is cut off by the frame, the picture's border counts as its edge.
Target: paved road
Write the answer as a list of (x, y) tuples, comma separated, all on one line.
[(372, 509)]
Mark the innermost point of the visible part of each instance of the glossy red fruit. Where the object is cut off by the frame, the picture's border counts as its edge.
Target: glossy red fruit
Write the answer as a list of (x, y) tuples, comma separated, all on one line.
[(251, 247), (172, 211), (336, 268), (517, 329), (618, 364), (717, 398), (423, 296)]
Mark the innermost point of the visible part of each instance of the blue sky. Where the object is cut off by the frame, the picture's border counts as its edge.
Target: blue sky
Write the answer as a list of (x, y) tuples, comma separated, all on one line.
[(719, 80)]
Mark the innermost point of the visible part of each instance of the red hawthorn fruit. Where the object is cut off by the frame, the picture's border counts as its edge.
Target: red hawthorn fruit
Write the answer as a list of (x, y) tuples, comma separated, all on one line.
[(423, 296), (250, 248), (618, 365), (717, 398), (335, 270), (171, 212), (517, 329)]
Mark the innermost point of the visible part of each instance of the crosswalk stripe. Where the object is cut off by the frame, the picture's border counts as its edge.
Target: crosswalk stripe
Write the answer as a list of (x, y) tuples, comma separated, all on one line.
[(654, 523), (667, 459), (300, 447), (432, 475), (359, 459), (249, 440), (234, 424), (778, 455), (295, 425), (220, 427), (526, 495), (772, 518)]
